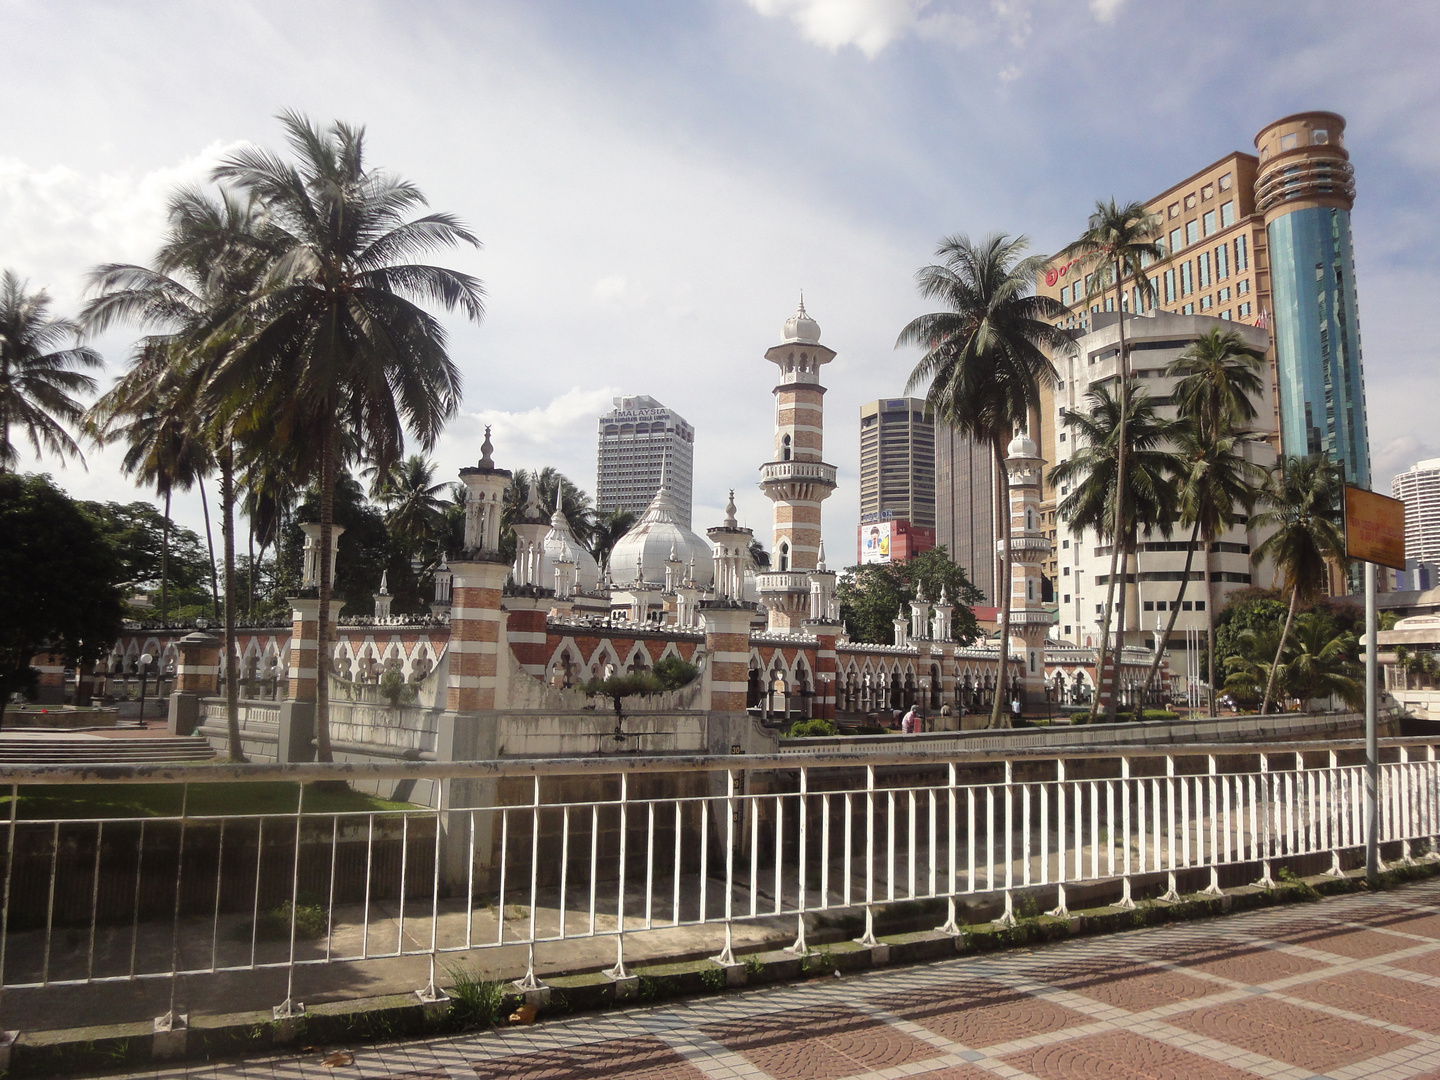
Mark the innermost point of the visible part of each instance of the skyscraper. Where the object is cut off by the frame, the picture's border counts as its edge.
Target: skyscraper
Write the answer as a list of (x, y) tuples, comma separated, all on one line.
[(1419, 487), (639, 440), (897, 461), (965, 493), (1305, 188)]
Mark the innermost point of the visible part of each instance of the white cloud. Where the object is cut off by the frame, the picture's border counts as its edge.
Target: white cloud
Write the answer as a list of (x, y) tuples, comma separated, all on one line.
[(1106, 10), (868, 25)]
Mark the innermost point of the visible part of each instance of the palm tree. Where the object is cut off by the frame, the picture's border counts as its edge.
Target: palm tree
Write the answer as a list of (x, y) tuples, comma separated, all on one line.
[(412, 499), (609, 528), (38, 377), (1318, 660), (1108, 441), (1302, 498), (984, 362), (574, 503), (349, 356), (1117, 245), (1217, 375), (200, 280), (161, 451)]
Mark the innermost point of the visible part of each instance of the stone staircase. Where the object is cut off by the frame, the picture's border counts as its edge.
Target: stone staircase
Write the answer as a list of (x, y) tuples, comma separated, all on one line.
[(43, 751)]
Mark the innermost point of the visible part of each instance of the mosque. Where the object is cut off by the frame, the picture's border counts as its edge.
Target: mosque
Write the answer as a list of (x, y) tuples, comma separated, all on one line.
[(516, 639)]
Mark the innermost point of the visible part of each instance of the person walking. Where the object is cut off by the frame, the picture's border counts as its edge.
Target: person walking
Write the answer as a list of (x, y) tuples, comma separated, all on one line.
[(907, 723), (1015, 711)]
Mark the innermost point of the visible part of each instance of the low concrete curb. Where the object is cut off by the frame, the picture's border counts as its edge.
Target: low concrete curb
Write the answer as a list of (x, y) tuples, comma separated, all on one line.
[(105, 1049)]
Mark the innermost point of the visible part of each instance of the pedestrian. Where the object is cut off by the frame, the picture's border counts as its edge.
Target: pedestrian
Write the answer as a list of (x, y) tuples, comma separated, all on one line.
[(1015, 709), (907, 724)]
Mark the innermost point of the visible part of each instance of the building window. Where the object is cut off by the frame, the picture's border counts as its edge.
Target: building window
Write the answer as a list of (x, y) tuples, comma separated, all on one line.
[(1222, 295), (1192, 232), (1175, 243), (1245, 310), (1188, 605), (1065, 572), (1170, 286), (1241, 257), (1207, 192), (1187, 278), (1209, 221), (1149, 605), (1227, 214), (1242, 287), (1205, 303), (1065, 543), (1222, 262), (1065, 295), (1154, 288), (1203, 263), (1062, 436), (783, 557), (1099, 608), (785, 448), (1109, 303), (1067, 599), (1188, 309), (1225, 314), (1199, 605), (1174, 209), (1189, 202), (1225, 182), (1287, 142)]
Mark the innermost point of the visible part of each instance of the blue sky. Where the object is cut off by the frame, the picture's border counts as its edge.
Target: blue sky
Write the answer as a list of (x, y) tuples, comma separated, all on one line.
[(656, 181)]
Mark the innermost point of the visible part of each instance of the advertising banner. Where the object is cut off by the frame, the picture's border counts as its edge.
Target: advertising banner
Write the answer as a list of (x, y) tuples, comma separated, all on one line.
[(875, 543)]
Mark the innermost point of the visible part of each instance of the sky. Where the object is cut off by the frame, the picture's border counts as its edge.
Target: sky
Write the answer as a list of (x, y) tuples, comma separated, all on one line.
[(656, 182)]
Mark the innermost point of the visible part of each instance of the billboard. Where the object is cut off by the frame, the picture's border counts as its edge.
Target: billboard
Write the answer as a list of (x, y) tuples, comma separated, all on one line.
[(1374, 528), (875, 542)]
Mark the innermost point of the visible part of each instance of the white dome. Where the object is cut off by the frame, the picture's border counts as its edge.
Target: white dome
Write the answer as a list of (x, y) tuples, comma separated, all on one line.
[(800, 327), (643, 551), (560, 545), (1022, 446)]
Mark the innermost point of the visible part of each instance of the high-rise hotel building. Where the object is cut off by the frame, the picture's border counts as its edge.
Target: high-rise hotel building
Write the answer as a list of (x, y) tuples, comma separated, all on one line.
[(897, 461), (641, 441)]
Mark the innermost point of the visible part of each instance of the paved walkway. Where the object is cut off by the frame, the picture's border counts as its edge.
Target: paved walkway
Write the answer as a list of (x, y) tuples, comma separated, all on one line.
[(1347, 988)]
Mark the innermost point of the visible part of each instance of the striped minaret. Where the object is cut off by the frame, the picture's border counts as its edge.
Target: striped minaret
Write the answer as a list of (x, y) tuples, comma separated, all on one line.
[(796, 479), (1029, 547), (477, 621)]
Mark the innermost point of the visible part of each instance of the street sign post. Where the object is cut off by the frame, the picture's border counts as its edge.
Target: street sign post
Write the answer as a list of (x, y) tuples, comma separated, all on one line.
[(1374, 534)]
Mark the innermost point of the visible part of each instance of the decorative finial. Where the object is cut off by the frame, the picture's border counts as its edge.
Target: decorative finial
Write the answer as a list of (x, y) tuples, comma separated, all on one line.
[(802, 303), (384, 582), (486, 449), (730, 522), (943, 598), (532, 502), (673, 557), (820, 557)]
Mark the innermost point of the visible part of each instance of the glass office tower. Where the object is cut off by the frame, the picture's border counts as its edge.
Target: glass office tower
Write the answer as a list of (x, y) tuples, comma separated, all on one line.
[(1305, 187)]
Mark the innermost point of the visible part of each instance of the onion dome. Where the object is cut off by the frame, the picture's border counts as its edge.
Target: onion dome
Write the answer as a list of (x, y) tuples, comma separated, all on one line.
[(560, 546), (801, 327), (1022, 446), (658, 537)]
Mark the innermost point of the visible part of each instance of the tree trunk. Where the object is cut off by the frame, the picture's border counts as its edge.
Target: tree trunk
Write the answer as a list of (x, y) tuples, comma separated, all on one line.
[(1120, 463), (232, 658), (250, 543), (1120, 626), (1174, 612), (322, 630), (1210, 626), (1275, 667), (998, 715), (165, 564), (210, 544)]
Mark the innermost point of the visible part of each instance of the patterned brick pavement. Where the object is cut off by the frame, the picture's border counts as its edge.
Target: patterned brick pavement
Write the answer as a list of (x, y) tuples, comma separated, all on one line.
[(1343, 990)]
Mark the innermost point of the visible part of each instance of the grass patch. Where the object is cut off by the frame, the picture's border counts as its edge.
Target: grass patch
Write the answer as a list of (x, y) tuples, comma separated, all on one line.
[(474, 1002), (163, 800)]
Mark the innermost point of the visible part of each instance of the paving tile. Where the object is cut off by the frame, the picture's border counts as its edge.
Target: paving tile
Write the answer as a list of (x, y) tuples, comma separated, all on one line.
[(956, 1072), (639, 1058), (1425, 963), (1130, 986), (1359, 944), (1178, 948), (1256, 966), (981, 1013), (819, 1043), (1113, 1055), (1409, 923), (1383, 997), (1306, 1038)]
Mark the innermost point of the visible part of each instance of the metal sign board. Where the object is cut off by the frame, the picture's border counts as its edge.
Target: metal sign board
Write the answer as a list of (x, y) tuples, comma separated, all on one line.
[(1374, 528)]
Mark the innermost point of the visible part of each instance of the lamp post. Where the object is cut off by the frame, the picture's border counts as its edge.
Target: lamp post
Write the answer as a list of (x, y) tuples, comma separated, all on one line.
[(145, 661), (925, 697)]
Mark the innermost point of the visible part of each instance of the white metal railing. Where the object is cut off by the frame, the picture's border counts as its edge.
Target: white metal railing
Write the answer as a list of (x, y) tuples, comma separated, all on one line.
[(733, 840)]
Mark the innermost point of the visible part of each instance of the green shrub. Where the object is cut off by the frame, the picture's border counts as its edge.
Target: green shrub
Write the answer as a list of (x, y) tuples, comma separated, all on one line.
[(394, 688), (274, 925), (802, 729), (673, 673)]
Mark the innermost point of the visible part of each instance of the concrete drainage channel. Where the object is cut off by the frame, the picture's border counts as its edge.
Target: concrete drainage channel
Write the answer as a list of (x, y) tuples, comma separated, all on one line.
[(105, 1049)]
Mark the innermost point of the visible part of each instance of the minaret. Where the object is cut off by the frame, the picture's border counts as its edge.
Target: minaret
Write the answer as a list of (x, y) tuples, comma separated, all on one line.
[(731, 543), (1029, 548), (796, 479)]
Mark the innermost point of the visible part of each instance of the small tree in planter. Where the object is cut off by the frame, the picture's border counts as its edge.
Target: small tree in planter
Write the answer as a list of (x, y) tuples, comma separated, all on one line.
[(670, 673)]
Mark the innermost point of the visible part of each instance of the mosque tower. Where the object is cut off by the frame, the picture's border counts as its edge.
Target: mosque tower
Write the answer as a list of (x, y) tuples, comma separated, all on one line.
[(796, 479)]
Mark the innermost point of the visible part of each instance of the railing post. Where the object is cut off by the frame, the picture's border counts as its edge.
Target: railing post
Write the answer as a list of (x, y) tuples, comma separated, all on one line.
[(1431, 797), (1213, 889), (726, 958), (1334, 816), (290, 1009), (170, 1030), (799, 948), (1060, 911), (1171, 894), (530, 984), (1404, 808), (1127, 902), (619, 972), (1266, 836), (950, 926), (868, 938), (1007, 917)]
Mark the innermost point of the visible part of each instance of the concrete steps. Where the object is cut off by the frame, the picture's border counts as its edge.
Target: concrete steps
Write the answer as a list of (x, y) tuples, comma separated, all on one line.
[(31, 751)]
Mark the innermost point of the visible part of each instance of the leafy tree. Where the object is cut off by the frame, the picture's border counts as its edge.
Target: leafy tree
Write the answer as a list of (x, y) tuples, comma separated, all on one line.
[(414, 506), (1250, 608), (1317, 660), (673, 672), (984, 361), (574, 503), (138, 533), (1116, 246), (873, 595), (58, 582), (350, 360), (1303, 499), (38, 377)]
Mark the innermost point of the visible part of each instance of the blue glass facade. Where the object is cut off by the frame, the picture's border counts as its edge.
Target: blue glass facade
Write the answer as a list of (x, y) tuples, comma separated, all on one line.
[(1317, 339)]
